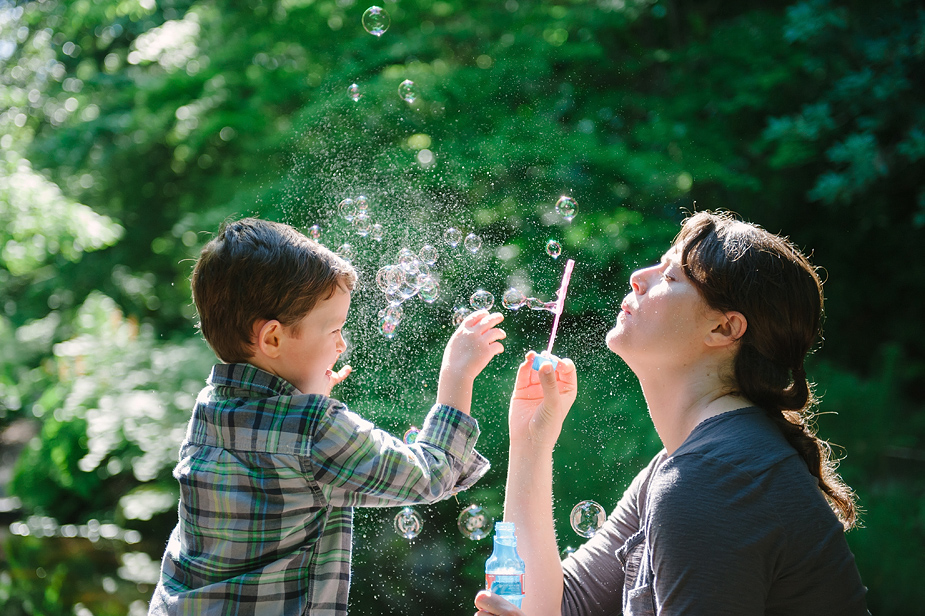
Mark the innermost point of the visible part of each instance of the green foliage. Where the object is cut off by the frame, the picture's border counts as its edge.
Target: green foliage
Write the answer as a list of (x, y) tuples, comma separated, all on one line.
[(131, 129)]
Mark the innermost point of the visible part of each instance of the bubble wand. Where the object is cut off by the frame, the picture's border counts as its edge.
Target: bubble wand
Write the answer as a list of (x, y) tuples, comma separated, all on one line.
[(560, 304)]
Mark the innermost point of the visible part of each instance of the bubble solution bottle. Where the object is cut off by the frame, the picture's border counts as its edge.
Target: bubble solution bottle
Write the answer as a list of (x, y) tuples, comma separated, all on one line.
[(504, 569)]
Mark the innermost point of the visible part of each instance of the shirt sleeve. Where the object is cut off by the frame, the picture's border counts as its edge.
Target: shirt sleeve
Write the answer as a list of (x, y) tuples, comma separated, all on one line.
[(357, 464), (593, 576), (711, 540)]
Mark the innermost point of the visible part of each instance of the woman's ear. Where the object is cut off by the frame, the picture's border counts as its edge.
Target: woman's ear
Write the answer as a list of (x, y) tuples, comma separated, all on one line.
[(268, 338), (728, 328)]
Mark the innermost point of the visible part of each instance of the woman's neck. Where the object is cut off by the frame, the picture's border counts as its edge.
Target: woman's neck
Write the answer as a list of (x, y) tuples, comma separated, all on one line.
[(679, 401)]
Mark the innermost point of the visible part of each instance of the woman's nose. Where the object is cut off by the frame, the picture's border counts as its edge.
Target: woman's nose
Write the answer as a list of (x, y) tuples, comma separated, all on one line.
[(637, 281)]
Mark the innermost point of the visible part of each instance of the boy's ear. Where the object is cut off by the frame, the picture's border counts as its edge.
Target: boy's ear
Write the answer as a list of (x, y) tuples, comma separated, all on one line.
[(268, 338), (728, 328)]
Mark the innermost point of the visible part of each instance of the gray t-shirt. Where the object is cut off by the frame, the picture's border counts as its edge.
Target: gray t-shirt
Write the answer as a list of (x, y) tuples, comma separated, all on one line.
[(731, 524)]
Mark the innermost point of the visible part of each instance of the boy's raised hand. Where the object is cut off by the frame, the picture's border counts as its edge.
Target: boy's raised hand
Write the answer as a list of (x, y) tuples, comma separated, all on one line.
[(541, 400), (470, 348)]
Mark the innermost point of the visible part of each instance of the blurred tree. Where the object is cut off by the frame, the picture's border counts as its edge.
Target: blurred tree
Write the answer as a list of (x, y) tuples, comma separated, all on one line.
[(132, 128)]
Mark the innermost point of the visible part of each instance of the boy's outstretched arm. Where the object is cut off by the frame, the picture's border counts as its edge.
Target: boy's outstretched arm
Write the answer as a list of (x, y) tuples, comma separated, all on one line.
[(470, 348)]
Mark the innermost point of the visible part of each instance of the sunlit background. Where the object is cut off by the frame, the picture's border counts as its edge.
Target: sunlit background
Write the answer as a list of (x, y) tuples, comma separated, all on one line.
[(132, 128)]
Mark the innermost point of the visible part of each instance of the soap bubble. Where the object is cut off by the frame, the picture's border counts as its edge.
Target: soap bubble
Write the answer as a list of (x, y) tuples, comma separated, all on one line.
[(354, 91), (587, 518), (409, 262), (389, 278), (473, 243), (474, 523), (459, 315), (428, 254), (407, 91), (513, 299), (375, 232), (553, 249), (535, 303), (568, 551), (430, 289), (347, 208), (395, 311), (314, 232), (362, 203), (408, 523), (566, 207), (452, 237), (387, 325), (482, 300), (361, 224), (376, 21), (346, 252), (411, 435)]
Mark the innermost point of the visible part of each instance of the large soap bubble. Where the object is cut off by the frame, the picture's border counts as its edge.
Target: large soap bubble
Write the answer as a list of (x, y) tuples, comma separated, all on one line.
[(474, 523), (566, 207), (452, 237), (408, 523), (513, 299), (472, 243), (376, 21), (482, 300), (587, 517), (553, 249), (407, 91)]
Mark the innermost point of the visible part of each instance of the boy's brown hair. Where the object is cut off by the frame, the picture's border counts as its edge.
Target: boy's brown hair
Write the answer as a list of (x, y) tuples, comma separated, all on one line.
[(256, 269)]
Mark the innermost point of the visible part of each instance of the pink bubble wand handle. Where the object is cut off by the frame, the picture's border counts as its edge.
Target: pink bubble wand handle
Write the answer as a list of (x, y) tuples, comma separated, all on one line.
[(560, 302)]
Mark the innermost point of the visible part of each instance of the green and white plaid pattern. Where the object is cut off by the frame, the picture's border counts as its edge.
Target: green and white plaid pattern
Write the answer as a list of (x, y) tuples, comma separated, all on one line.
[(268, 479)]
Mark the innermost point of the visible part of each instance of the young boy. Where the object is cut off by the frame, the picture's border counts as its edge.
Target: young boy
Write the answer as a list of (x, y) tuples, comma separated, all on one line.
[(272, 467)]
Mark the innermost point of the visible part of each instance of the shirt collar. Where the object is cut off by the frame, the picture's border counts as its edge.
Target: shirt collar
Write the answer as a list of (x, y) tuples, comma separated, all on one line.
[(245, 376)]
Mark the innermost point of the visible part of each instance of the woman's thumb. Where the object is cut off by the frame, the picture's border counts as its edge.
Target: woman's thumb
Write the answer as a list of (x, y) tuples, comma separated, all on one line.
[(548, 383)]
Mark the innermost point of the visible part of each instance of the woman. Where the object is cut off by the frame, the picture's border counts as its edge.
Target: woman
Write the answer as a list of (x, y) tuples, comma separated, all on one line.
[(742, 512)]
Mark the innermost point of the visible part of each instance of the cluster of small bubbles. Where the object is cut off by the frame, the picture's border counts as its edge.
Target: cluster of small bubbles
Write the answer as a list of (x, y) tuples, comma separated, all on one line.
[(314, 232), (362, 224), (376, 21), (474, 523), (354, 91), (472, 243), (375, 231), (346, 252), (407, 91), (411, 435), (513, 299), (553, 249), (482, 300), (587, 517), (347, 209), (535, 303), (566, 207), (452, 237), (428, 254), (459, 314), (408, 523)]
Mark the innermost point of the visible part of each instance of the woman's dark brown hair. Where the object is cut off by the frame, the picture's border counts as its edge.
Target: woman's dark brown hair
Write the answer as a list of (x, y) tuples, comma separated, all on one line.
[(740, 267), (256, 269)]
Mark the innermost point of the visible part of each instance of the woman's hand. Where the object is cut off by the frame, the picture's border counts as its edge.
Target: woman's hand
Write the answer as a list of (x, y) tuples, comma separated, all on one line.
[(494, 605), (541, 400)]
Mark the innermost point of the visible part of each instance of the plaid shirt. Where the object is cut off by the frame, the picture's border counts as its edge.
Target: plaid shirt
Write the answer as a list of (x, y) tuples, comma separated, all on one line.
[(268, 479)]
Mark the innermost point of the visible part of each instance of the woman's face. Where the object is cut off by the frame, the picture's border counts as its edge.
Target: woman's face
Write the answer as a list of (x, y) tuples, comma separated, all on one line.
[(664, 320)]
